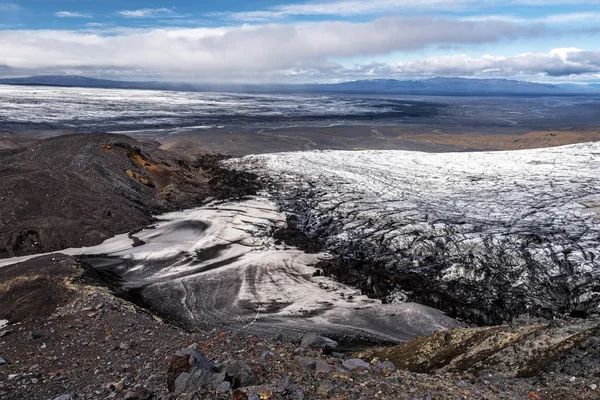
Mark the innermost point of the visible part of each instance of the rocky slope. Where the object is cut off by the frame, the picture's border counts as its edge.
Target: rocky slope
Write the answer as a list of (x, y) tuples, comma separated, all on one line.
[(523, 349), (78, 190), (88, 344)]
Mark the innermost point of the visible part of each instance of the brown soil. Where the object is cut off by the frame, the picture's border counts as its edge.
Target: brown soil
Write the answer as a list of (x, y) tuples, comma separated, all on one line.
[(426, 138), (532, 140), (36, 289)]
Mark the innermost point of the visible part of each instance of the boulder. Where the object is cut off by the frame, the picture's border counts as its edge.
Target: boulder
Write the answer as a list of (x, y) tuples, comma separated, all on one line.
[(317, 342), (356, 364), (240, 374), (189, 369)]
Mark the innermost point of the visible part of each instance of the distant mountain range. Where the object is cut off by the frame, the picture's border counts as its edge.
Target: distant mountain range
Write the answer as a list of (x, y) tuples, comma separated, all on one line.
[(433, 86)]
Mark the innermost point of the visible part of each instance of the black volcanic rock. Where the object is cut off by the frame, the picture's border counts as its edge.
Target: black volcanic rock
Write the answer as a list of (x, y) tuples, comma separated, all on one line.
[(78, 190)]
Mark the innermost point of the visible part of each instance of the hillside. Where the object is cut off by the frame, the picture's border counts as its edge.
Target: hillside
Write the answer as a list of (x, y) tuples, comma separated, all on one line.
[(78, 190)]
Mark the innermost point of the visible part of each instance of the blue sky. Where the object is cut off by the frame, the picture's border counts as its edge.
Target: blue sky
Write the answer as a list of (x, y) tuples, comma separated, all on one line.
[(298, 41)]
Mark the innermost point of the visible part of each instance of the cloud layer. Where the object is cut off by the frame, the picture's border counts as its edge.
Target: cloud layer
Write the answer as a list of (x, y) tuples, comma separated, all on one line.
[(556, 63), (345, 8), (260, 47), (290, 52)]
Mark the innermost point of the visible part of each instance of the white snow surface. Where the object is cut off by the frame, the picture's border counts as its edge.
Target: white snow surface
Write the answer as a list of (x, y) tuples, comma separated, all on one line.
[(134, 111), (529, 216)]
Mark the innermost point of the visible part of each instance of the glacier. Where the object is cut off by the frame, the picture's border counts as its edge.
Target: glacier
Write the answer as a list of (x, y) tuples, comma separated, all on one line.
[(219, 267), (484, 236), (409, 243)]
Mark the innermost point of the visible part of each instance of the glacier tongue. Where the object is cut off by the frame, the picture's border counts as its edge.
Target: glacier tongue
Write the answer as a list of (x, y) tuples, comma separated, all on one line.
[(485, 236)]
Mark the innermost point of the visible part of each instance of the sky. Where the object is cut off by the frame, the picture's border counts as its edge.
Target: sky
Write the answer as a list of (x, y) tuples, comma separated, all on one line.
[(295, 41)]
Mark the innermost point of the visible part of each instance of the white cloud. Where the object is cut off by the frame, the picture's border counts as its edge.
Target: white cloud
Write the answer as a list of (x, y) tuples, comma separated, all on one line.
[(548, 19), (69, 14), (246, 47), (347, 8), (9, 7), (557, 62), (572, 17), (148, 13), (286, 51), (342, 8)]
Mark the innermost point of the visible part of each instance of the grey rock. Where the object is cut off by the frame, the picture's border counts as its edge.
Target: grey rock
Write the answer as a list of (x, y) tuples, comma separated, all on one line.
[(284, 384), (304, 364), (5, 332), (182, 383), (34, 336), (139, 394), (125, 346), (356, 364), (241, 374), (197, 374), (387, 366), (593, 386), (64, 397), (197, 360), (324, 388), (200, 379), (318, 342), (2, 361), (224, 387), (253, 396), (321, 367)]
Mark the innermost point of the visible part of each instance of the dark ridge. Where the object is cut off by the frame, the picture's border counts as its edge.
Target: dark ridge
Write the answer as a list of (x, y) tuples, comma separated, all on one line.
[(226, 183), (433, 86), (104, 185)]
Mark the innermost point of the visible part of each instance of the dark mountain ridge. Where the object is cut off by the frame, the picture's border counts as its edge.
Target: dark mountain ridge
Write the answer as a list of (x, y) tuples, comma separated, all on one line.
[(433, 86)]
